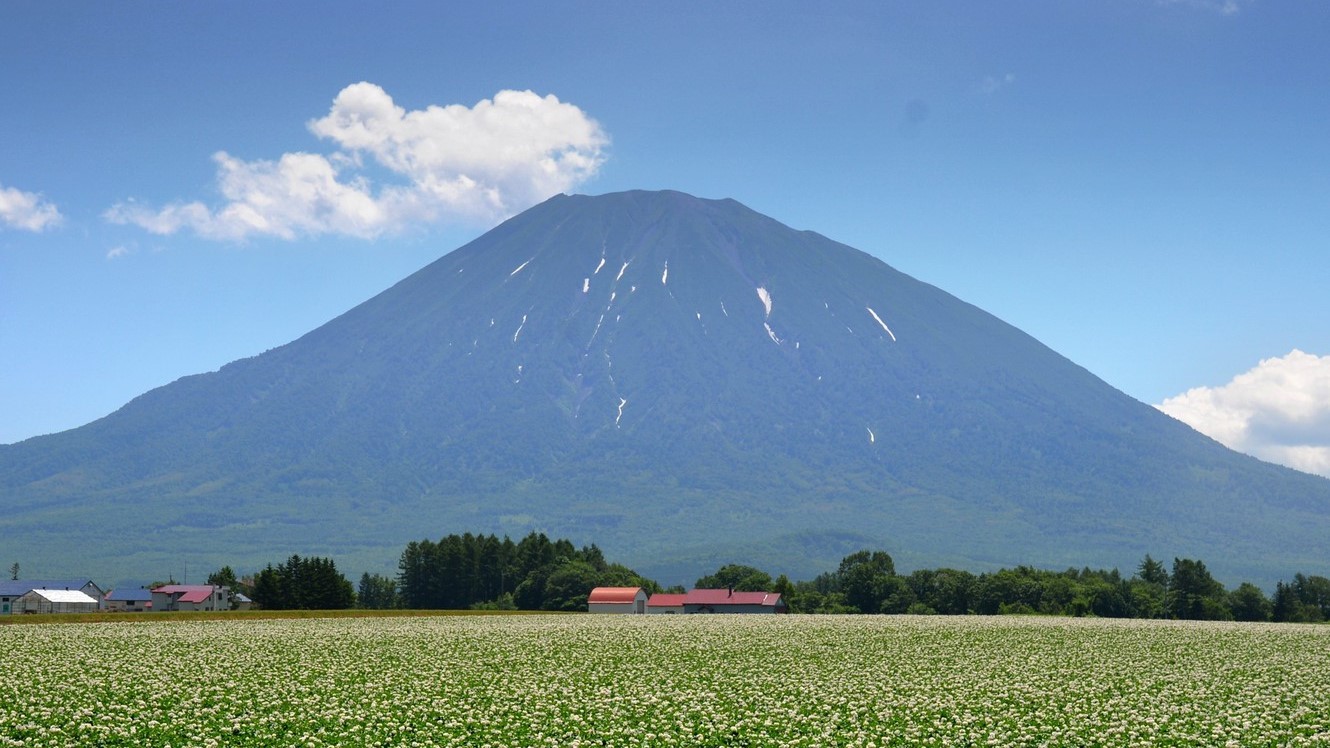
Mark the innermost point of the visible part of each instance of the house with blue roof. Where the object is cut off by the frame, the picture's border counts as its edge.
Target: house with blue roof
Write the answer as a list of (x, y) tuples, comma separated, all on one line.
[(12, 589), (128, 600)]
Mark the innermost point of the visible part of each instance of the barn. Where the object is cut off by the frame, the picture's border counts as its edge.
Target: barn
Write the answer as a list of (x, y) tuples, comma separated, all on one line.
[(617, 600)]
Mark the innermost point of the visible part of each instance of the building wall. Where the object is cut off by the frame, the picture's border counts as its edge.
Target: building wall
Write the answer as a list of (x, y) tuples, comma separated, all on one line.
[(720, 608), (610, 607), (666, 609), (126, 606)]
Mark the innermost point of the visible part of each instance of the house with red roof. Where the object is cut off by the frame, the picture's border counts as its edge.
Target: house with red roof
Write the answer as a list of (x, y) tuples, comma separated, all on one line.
[(190, 597), (617, 600), (731, 601), (665, 602)]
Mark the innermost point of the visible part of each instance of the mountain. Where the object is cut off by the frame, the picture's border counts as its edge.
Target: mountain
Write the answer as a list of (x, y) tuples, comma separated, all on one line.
[(682, 381)]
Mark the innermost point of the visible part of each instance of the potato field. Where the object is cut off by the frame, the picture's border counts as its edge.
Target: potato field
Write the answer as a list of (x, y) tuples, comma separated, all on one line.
[(583, 680)]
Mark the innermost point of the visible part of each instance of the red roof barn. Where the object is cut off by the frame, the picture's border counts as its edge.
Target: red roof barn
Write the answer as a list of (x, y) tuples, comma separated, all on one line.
[(617, 600)]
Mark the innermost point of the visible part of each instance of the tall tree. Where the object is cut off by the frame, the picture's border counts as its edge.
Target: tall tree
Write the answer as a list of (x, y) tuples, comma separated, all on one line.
[(866, 580), (224, 577), (1249, 603), (1194, 594), (376, 592), (303, 584)]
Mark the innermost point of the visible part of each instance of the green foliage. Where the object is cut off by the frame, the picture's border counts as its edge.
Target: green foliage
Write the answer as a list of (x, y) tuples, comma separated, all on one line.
[(466, 571), (303, 584), (377, 592), (1195, 595), (1249, 603), (1305, 600), (866, 577), (737, 576), (224, 577)]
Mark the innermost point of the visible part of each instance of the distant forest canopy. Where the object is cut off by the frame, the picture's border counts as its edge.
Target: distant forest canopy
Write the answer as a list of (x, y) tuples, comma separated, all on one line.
[(536, 573)]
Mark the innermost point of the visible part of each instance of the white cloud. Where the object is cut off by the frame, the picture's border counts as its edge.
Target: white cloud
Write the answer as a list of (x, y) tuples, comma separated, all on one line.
[(1223, 7), (481, 164), (26, 210), (1278, 411), (991, 84)]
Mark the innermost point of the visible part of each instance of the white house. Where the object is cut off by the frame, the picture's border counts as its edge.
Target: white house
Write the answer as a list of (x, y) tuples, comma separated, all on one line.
[(617, 600)]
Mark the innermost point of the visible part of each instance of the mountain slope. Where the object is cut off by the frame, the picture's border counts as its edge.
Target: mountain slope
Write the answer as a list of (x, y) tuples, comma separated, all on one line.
[(669, 377)]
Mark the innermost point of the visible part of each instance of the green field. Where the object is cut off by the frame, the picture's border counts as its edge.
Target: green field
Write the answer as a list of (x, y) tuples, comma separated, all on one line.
[(665, 680)]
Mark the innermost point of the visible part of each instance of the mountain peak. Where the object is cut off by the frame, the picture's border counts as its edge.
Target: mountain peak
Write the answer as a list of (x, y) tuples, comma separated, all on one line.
[(672, 378)]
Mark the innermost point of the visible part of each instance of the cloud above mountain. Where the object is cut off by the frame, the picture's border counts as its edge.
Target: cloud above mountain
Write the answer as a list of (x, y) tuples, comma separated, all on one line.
[(476, 164), (27, 211), (1279, 411)]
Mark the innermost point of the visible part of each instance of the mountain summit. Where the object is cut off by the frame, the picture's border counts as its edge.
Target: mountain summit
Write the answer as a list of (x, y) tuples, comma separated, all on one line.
[(683, 381)]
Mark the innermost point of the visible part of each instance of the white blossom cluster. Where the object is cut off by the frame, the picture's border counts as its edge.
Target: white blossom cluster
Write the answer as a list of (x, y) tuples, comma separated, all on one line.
[(665, 681)]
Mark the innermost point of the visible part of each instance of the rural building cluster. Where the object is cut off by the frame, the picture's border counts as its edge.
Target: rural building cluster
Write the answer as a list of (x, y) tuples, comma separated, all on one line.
[(84, 596), (635, 600)]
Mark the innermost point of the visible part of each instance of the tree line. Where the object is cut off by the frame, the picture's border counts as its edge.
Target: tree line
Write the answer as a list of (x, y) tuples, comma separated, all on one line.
[(867, 582), (310, 583), (536, 573), (482, 571)]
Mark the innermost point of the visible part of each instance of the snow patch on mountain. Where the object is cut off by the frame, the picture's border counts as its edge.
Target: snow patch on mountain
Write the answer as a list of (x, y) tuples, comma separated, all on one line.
[(765, 296), (880, 322), (519, 268)]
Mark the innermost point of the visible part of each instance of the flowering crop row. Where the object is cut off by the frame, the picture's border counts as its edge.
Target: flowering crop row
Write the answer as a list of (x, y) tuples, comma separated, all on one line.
[(665, 680)]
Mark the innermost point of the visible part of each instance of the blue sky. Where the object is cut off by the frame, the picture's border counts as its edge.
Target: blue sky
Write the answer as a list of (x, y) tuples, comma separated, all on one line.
[(1141, 185)]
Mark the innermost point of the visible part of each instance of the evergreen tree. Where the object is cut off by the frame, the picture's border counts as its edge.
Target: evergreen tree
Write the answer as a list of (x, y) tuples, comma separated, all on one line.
[(376, 592), (1195, 595), (303, 584)]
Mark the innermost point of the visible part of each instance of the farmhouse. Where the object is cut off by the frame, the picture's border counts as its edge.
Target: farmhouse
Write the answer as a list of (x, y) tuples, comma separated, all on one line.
[(55, 601), (191, 597), (729, 601), (617, 600), (665, 602), (716, 601), (12, 590), (128, 600)]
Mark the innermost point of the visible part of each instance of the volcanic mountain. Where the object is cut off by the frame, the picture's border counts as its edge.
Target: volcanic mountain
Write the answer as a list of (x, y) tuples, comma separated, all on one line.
[(682, 381)]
